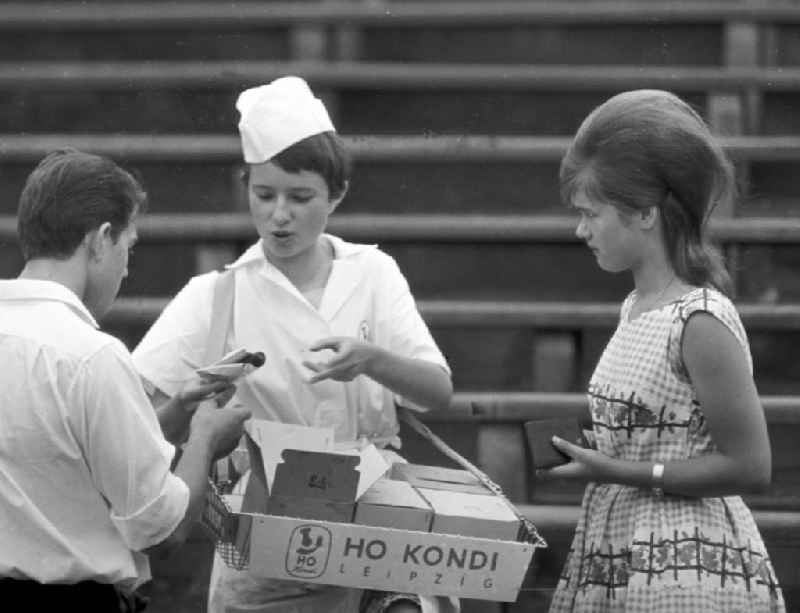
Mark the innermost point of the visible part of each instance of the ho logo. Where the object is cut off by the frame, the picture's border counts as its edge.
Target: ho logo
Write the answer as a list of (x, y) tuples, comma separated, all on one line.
[(308, 551)]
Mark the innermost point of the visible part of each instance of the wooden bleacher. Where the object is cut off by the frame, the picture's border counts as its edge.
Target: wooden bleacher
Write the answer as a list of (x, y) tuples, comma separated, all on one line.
[(457, 113)]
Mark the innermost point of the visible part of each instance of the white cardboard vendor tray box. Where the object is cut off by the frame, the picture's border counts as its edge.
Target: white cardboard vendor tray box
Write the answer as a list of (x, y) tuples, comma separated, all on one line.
[(315, 538)]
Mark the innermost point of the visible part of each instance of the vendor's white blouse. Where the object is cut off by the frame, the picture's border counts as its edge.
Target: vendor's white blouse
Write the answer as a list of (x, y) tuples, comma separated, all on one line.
[(366, 297)]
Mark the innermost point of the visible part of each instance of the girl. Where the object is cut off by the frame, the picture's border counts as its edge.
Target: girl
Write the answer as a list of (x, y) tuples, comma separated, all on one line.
[(676, 416), (324, 311)]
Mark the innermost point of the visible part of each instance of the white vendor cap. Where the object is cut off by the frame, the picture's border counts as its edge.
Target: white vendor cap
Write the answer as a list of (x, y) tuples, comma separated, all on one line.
[(277, 115)]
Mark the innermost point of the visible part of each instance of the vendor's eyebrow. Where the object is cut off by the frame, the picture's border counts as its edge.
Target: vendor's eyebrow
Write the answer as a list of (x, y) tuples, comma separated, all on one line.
[(303, 191)]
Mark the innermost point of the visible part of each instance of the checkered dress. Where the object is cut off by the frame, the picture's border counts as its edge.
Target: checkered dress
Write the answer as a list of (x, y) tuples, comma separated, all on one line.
[(632, 550)]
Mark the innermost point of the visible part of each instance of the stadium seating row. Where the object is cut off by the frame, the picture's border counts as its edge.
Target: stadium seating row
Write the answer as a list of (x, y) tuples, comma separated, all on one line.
[(470, 210), (489, 282)]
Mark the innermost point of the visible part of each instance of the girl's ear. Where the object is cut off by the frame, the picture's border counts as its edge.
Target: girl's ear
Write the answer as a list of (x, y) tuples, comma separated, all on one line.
[(335, 202)]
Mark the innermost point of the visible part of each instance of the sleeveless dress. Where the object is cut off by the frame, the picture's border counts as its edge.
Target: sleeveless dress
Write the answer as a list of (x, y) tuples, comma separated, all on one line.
[(634, 550)]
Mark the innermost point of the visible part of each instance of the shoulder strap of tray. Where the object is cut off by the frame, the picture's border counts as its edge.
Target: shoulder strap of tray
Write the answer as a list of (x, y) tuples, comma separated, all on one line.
[(221, 321), (221, 316), (529, 532)]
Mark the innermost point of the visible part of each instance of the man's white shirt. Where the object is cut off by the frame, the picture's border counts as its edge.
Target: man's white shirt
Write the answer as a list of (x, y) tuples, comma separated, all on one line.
[(85, 481)]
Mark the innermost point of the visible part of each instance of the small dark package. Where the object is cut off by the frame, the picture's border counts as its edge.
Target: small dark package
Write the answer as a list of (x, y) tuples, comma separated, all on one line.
[(540, 434)]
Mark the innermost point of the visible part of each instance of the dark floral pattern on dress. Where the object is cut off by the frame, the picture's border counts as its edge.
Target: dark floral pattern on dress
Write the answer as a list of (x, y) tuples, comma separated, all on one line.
[(686, 553), (711, 558), (598, 572), (697, 422), (700, 555), (611, 570), (614, 412)]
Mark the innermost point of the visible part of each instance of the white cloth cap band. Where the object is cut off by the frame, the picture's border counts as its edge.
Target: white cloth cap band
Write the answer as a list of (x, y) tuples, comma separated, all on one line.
[(277, 115)]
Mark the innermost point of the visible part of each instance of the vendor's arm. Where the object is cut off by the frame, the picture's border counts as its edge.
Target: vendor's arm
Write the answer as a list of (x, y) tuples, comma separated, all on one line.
[(724, 385), (422, 382), (399, 352)]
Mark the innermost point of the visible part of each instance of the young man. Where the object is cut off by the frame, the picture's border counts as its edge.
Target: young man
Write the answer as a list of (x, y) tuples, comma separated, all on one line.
[(86, 490)]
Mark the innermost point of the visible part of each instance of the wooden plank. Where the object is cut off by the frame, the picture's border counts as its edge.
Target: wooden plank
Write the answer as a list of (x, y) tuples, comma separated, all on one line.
[(501, 454), (373, 148), (347, 38), (468, 229), (522, 406), (732, 114), (545, 315), (554, 361), (308, 41), (387, 76), (61, 16), (213, 257)]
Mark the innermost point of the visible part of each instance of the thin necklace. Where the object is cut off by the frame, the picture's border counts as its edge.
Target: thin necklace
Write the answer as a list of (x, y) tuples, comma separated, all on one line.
[(658, 298)]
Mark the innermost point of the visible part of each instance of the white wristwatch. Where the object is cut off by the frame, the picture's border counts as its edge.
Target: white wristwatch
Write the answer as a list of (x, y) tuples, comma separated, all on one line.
[(657, 481)]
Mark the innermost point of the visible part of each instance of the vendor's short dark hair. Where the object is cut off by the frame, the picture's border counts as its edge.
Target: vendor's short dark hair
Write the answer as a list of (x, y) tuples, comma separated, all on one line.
[(69, 194), (323, 153)]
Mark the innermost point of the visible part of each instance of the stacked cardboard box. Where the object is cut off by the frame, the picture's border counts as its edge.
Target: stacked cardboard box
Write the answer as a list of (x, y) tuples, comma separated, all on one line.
[(394, 504), (348, 518)]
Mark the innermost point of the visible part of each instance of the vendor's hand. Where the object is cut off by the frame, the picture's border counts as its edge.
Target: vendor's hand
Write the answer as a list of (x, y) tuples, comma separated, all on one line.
[(197, 389), (351, 358), (585, 464)]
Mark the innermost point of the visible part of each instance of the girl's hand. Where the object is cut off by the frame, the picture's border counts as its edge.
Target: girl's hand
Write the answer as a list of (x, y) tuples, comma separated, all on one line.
[(585, 464), (350, 358)]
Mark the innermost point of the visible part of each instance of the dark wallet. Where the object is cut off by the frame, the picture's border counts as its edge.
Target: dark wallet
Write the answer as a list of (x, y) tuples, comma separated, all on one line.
[(540, 432)]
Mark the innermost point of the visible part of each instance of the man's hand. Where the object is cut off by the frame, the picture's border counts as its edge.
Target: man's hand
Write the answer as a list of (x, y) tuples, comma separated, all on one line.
[(223, 426), (350, 358), (197, 389)]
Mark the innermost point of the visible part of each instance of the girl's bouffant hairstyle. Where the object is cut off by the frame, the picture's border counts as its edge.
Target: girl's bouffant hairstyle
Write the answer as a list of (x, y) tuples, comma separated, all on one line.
[(649, 148), (322, 153)]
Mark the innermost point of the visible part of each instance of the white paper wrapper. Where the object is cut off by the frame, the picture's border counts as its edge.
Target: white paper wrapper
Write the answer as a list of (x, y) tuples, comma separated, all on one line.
[(228, 368), (225, 372)]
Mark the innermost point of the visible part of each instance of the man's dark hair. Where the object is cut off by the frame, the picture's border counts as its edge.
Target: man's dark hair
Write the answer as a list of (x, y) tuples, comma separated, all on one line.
[(69, 194)]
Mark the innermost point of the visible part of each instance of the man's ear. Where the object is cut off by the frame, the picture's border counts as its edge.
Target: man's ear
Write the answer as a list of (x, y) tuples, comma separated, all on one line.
[(335, 202), (648, 217), (98, 240)]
